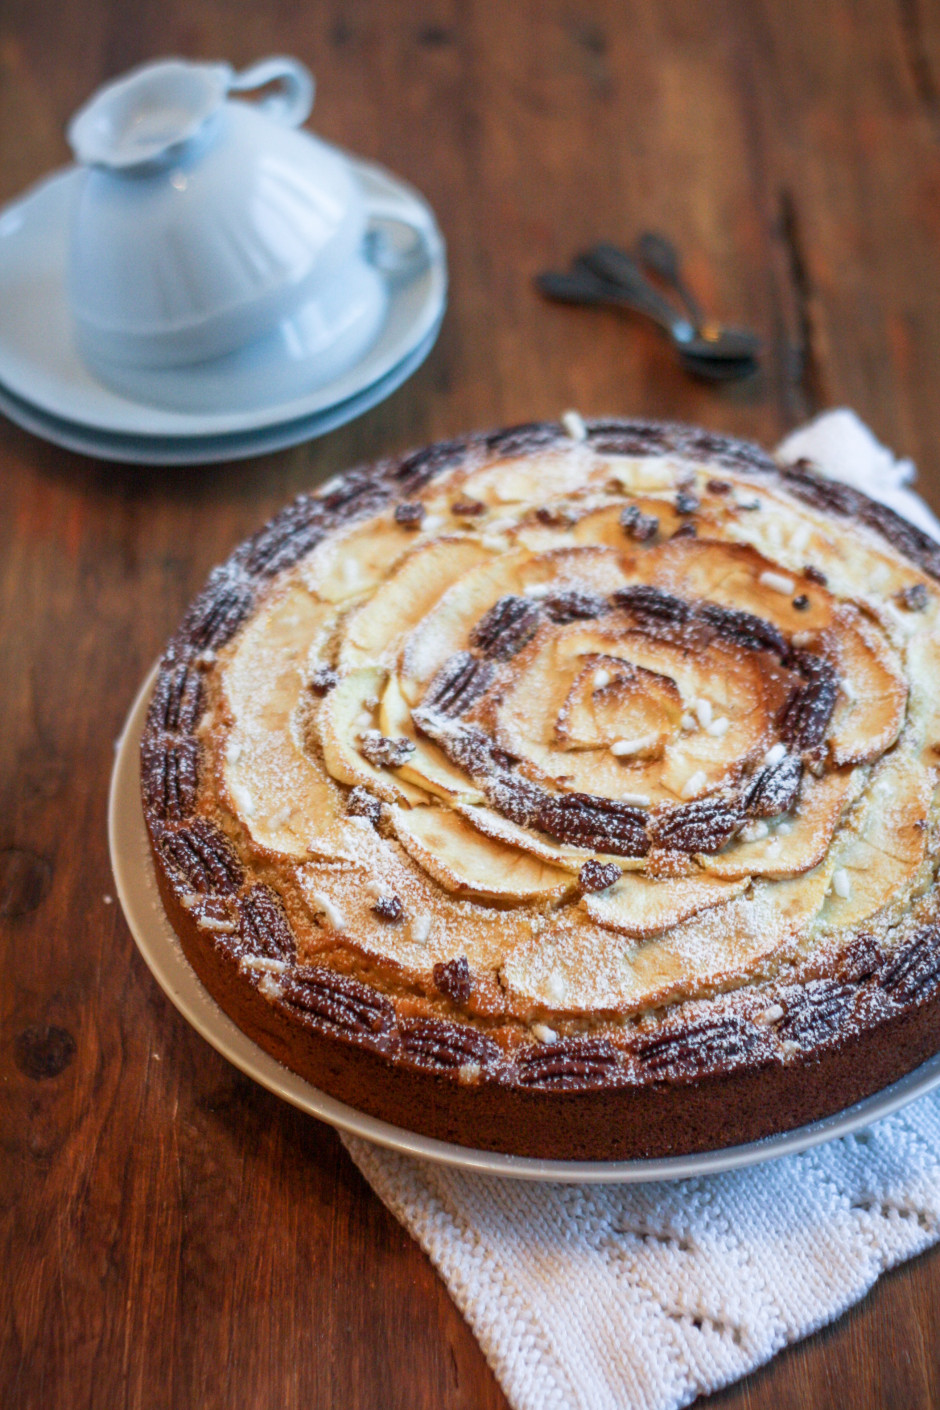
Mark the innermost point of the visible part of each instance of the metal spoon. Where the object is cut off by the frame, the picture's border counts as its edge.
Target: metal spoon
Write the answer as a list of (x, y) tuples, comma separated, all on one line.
[(706, 338), (583, 286), (660, 255)]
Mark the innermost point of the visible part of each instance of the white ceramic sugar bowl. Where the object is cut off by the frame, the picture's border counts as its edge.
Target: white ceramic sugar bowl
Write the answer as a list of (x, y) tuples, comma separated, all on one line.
[(202, 221)]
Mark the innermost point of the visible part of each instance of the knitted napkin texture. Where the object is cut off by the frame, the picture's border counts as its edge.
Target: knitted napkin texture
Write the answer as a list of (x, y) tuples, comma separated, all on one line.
[(643, 1297)]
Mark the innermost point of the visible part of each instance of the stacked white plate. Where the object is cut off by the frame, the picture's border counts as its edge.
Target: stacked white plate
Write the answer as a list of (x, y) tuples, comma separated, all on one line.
[(46, 388)]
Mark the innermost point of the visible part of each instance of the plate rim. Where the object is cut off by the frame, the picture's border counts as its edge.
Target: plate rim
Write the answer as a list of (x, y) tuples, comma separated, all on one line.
[(158, 945), (184, 425), (119, 448)]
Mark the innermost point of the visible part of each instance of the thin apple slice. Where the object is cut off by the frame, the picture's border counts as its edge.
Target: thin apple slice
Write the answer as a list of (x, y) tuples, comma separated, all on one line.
[(373, 632), (870, 710), (922, 657), (880, 851), (812, 824), (736, 575), (611, 699), (345, 713), (428, 766), (356, 562), (530, 479), (447, 627), (591, 968), (462, 860), (640, 907)]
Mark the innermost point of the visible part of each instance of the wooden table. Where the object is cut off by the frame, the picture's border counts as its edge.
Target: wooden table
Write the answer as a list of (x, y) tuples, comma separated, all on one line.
[(174, 1236)]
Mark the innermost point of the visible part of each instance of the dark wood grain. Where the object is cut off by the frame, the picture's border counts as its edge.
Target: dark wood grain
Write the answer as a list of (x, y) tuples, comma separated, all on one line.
[(173, 1235)]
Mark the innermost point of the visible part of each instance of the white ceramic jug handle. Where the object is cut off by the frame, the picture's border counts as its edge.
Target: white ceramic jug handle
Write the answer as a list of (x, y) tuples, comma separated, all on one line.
[(401, 211), (292, 103)]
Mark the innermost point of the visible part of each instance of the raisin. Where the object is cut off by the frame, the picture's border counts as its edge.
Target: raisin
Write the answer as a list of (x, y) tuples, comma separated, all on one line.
[(323, 680), (597, 876), (389, 908), (914, 597), (638, 526), (383, 752), (815, 575), (360, 803), (687, 502), (468, 508), (409, 514), (453, 979)]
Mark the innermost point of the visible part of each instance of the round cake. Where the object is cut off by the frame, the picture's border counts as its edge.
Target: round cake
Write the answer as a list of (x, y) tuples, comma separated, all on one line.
[(567, 791)]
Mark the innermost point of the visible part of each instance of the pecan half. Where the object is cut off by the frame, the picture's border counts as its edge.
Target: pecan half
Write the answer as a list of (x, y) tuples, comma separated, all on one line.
[(201, 855), (651, 605), (506, 628), (338, 1000), (435, 1043), (177, 699), (574, 605), (264, 928), (170, 777), (913, 972), (573, 1062), (218, 611), (459, 683), (775, 789), (806, 715), (696, 1047), (815, 1012), (743, 628), (704, 825)]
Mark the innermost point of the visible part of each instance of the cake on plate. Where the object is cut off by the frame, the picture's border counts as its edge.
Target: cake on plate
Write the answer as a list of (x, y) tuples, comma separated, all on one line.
[(565, 791)]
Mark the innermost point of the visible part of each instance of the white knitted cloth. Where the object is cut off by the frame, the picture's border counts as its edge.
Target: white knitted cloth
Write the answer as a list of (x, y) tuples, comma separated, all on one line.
[(642, 1297)]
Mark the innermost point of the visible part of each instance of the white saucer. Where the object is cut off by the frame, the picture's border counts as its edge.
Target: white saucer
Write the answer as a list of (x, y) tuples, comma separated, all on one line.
[(39, 364), (157, 942), (204, 450)]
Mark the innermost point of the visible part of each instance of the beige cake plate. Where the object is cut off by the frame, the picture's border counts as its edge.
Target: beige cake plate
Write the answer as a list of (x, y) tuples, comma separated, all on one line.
[(163, 954)]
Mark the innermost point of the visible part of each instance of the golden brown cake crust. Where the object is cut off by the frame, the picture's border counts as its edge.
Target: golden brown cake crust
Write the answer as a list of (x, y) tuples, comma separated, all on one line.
[(714, 1070)]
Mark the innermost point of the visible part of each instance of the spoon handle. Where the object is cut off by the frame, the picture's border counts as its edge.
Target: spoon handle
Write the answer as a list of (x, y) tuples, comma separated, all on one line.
[(618, 269), (583, 286), (661, 256)]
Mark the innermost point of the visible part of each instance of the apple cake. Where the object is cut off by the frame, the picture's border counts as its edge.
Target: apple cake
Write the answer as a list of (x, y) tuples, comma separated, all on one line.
[(566, 791)]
